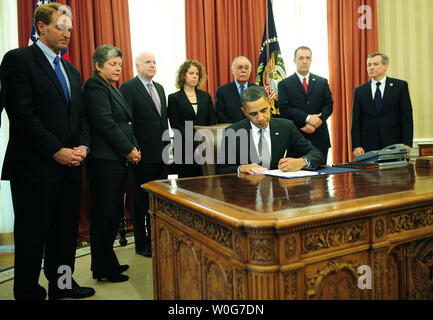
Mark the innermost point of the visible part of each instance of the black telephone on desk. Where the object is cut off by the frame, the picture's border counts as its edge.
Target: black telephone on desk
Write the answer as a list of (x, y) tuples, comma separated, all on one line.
[(392, 153)]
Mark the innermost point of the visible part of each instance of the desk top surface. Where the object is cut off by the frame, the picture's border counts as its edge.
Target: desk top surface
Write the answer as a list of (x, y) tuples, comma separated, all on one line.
[(260, 199)]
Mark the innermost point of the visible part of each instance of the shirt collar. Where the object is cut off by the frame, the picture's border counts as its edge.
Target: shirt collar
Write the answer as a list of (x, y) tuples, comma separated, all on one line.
[(301, 77), (146, 83), (239, 85), (382, 81), (47, 51), (256, 130)]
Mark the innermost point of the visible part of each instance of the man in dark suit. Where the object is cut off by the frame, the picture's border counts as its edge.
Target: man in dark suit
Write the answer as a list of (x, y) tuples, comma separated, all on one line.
[(262, 139), (147, 100), (228, 97), (382, 110), (306, 99), (48, 141)]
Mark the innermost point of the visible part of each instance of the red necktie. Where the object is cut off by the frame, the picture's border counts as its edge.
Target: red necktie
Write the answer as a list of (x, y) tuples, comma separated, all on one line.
[(305, 85)]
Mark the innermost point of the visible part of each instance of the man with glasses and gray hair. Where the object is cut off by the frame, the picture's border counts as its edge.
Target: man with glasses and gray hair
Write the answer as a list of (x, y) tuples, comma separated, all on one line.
[(382, 110), (228, 96)]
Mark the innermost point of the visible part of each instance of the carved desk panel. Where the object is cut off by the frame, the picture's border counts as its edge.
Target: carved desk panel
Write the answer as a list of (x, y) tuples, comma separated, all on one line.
[(260, 237)]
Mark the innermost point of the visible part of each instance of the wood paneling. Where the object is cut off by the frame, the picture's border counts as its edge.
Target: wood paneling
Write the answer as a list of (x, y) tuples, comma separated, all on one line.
[(406, 35)]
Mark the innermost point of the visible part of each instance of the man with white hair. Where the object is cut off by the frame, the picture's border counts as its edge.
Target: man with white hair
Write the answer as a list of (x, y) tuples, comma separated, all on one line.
[(147, 100), (228, 96)]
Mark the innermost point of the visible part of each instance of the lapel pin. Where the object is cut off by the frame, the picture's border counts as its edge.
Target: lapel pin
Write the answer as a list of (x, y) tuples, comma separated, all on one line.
[(277, 133), (391, 84), (314, 79)]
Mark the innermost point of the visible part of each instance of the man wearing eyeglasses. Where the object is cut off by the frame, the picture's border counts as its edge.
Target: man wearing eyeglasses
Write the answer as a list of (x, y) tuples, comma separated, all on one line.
[(48, 142), (228, 97)]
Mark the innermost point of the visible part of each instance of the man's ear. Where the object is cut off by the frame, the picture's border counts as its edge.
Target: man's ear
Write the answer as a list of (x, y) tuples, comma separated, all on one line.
[(40, 25)]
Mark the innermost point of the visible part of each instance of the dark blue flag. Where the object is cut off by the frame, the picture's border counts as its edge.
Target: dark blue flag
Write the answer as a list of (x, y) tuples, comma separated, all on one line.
[(270, 70)]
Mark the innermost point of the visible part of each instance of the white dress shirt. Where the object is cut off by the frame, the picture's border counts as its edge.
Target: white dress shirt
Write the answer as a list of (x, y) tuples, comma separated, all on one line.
[(256, 137), (381, 87)]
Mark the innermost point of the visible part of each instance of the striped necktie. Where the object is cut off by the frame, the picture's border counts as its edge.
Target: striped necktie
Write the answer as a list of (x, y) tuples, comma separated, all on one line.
[(154, 98), (242, 90), (61, 78)]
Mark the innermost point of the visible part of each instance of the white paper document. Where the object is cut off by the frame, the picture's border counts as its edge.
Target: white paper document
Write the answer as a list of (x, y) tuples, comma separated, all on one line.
[(293, 174)]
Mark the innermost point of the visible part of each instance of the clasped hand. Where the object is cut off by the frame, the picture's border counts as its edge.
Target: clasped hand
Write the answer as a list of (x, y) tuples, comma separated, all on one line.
[(134, 156), (71, 157), (314, 122)]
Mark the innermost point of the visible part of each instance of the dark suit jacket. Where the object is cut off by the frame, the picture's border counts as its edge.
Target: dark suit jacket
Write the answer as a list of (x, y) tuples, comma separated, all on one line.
[(148, 124), (41, 123), (181, 110), (284, 137), (296, 105), (228, 103), (393, 124), (111, 130)]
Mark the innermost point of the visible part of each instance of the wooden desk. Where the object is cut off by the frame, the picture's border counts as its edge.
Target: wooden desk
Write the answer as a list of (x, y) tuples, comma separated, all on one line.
[(260, 237)]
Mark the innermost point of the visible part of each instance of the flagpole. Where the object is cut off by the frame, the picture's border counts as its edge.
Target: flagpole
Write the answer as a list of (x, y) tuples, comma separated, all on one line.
[(267, 31)]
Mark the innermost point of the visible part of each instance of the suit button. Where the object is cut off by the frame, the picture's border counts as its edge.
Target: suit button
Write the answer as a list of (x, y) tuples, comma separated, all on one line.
[(130, 123)]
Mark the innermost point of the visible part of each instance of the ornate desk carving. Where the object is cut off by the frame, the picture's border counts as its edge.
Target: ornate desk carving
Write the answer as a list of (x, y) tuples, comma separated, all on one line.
[(259, 237)]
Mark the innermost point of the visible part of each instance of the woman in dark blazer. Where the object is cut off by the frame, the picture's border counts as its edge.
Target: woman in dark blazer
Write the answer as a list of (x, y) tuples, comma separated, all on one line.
[(190, 104), (113, 148)]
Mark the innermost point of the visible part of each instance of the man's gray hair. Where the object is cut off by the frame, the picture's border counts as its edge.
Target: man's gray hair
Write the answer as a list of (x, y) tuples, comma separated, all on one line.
[(104, 53), (385, 58), (254, 93), (240, 58)]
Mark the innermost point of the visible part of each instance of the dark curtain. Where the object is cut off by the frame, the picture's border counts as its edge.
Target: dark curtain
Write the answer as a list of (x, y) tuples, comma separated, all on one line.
[(217, 31), (349, 44)]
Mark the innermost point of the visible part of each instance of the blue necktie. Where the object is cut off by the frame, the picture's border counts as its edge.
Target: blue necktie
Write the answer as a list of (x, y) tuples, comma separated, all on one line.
[(378, 97), (61, 78), (242, 90)]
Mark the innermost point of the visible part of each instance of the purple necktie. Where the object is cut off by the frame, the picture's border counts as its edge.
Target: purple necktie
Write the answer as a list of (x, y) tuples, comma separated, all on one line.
[(154, 98)]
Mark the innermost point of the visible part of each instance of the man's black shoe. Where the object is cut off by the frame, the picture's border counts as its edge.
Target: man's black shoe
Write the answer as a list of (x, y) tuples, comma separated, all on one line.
[(77, 292), (123, 268), (145, 252)]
